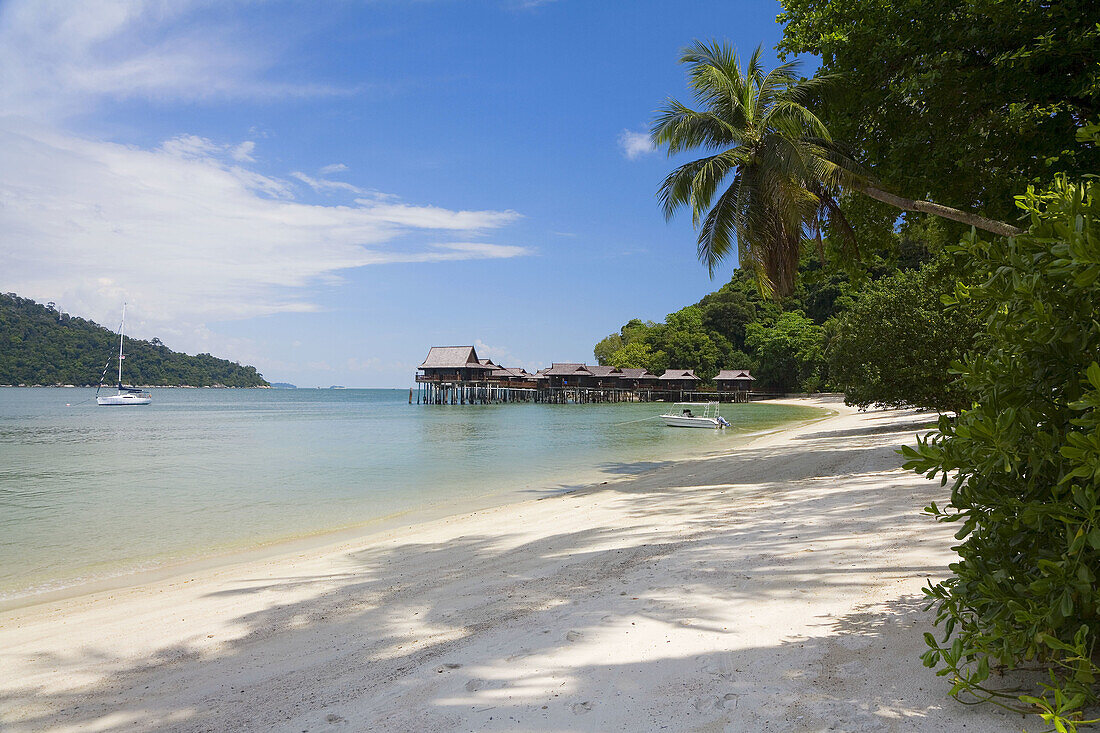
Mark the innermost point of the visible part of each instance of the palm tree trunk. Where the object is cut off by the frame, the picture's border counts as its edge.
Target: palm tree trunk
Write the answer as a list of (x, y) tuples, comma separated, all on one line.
[(927, 207)]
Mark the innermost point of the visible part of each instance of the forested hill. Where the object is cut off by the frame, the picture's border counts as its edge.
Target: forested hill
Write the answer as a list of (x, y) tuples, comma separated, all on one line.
[(39, 345)]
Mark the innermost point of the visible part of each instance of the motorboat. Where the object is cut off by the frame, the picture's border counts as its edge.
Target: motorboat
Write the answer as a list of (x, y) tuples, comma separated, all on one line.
[(694, 415), (126, 395)]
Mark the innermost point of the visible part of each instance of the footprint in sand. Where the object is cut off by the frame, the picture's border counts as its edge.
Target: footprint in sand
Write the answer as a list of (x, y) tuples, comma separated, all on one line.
[(334, 719), (581, 708), (574, 636), (474, 685)]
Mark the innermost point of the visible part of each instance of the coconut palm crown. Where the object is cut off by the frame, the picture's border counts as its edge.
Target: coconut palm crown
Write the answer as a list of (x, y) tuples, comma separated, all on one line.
[(773, 175)]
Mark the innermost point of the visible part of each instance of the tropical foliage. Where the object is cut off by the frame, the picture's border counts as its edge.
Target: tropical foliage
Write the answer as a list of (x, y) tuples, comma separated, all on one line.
[(39, 345), (783, 342), (963, 102), (895, 344), (1024, 463)]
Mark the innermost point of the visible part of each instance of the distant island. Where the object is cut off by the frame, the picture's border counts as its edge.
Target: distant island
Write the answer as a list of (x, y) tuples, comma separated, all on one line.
[(39, 345), (283, 385)]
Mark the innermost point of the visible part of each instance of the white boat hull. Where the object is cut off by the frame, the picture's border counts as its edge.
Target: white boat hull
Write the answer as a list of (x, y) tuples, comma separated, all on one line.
[(682, 421), (124, 399)]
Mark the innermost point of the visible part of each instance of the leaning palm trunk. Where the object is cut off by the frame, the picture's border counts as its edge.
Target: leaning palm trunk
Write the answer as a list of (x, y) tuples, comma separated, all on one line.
[(946, 212)]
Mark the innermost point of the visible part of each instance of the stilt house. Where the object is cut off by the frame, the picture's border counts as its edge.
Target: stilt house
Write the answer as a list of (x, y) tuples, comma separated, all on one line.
[(453, 364), (734, 380), (679, 380)]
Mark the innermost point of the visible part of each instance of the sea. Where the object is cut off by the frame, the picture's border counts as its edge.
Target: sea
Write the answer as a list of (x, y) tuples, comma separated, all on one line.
[(91, 493)]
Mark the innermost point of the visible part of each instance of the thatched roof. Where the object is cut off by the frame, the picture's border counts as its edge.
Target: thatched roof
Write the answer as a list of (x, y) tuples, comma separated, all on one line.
[(730, 374), (568, 369), (510, 373), (452, 357), (632, 373), (678, 374), (605, 371)]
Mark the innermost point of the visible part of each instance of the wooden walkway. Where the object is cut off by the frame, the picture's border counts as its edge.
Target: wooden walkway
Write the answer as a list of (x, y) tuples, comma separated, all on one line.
[(489, 393)]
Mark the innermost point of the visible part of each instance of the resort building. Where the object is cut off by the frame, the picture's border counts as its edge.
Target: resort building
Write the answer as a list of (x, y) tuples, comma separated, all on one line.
[(606, 377), (568, 375), (456, 375), (734, 380), (453, 364), (679, 380), (631, 378)]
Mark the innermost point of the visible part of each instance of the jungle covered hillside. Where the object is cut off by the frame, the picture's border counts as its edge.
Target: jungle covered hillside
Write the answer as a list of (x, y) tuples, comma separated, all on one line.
[(39, 345)]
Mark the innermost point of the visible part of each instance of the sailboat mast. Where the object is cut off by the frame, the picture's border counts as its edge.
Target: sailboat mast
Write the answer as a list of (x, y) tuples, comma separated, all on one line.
[(121, 328)]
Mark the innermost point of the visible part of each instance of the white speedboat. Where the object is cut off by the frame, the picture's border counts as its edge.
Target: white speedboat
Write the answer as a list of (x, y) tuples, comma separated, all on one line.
[(126, 395), (694, 415)]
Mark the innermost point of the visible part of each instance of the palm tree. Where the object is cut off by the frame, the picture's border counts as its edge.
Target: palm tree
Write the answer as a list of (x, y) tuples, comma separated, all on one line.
[(785, 173)]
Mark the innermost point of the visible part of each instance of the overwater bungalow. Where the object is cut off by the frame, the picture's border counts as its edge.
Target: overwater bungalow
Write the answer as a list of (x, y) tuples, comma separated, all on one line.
[(562, 375), (606, 377), (456, 375), (734, 380), (453, 364), (679, 380), (631, 378), (512, 377)]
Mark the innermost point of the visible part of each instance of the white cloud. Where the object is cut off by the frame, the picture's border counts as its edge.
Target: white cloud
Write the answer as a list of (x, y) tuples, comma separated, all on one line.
[(122, 49), (635, 144), (322, 185), (243, 152), (183, 232), (190, 230)]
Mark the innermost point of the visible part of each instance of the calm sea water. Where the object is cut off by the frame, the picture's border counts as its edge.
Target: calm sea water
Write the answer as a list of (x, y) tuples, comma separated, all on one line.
[(90, 492)]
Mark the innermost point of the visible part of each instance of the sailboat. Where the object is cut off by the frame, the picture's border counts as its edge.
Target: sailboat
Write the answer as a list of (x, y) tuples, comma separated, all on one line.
[(126, 395)]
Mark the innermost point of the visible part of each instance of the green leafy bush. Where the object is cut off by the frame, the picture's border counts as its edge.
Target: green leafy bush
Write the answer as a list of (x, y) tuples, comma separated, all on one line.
[(1024, 465), (790, 353), (895, 345)]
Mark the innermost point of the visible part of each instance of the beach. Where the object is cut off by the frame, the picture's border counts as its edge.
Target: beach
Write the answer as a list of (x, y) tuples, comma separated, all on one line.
[(773, 587)]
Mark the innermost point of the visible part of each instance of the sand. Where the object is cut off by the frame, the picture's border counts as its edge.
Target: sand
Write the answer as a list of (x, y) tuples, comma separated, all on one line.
[(773, 588)]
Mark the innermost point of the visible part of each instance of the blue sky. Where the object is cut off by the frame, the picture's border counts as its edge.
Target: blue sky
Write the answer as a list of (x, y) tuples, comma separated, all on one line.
[(325, 190)]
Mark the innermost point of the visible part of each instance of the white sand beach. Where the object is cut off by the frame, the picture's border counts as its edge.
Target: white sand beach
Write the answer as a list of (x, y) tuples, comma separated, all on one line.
[(773, 588)]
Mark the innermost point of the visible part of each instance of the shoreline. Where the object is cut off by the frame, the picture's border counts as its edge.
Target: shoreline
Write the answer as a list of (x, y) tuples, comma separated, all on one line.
[(402, 521), (775, 584)]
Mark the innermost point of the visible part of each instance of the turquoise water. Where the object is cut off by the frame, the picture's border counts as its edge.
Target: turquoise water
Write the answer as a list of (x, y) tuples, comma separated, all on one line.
[(91, 492)]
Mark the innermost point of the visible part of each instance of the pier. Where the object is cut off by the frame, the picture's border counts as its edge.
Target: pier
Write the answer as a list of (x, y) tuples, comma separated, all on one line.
[(454, 375)]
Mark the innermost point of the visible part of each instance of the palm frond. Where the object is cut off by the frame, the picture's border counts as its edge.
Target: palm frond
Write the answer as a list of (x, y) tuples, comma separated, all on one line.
[(715, 240), (679, 128)]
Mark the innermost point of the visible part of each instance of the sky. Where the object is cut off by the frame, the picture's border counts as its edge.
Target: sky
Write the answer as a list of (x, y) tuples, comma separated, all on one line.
[(324, 190)]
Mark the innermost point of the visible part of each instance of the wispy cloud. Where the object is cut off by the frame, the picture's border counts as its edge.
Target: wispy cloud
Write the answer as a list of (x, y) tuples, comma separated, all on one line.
[(243, 152), (189, 230), (635, 144), (530, 4), (57, 56), (186, 232), (322, 184)]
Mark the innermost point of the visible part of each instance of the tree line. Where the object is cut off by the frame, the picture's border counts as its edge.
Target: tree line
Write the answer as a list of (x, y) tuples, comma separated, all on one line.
[(40, 345)]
